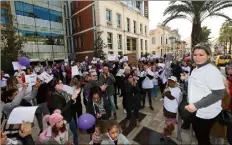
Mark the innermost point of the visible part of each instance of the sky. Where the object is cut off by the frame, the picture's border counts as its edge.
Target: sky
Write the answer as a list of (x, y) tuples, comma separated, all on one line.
[(156, 9)]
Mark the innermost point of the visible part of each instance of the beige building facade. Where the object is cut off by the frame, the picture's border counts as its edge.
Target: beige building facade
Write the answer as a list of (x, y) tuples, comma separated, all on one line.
[(164, 40)]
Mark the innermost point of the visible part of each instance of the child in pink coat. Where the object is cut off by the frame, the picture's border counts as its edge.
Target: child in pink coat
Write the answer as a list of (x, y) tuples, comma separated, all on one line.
[(57, 132)]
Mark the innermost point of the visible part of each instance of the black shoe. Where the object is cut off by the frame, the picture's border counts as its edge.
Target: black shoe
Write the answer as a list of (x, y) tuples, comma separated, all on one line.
[(116, 107), (151, 108), (185, 126)]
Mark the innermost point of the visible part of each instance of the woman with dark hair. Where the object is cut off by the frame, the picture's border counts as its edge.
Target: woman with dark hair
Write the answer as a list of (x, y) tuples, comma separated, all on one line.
[(131, 98), (98, 106), (59, 99), (205, 92)]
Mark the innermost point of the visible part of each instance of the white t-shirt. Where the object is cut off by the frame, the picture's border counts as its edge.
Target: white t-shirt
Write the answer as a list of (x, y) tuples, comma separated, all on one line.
[(147, 82), (155, 79), (172, 105), (200, 84)]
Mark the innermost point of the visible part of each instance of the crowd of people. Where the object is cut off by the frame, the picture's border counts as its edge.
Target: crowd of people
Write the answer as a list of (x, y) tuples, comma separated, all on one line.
[(98, 85)]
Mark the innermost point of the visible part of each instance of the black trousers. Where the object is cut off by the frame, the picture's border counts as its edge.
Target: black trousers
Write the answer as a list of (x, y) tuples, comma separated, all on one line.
[(128, 114), (229, 134), (147, 92), (202, 128)]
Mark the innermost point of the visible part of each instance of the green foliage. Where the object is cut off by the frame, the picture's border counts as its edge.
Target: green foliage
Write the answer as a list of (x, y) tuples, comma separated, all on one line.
[(99, 45), (226, 34), (204, 36), (11, 44)]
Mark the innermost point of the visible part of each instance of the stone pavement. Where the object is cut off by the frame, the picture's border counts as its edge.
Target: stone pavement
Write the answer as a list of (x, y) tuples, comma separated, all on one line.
[(153, 120)]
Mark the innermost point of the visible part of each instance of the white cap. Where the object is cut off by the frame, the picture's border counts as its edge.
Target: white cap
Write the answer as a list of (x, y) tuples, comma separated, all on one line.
[(6, 75), (173, 78)]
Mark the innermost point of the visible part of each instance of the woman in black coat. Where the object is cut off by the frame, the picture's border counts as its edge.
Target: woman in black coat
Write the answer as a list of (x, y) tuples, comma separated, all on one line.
[(132, 99)]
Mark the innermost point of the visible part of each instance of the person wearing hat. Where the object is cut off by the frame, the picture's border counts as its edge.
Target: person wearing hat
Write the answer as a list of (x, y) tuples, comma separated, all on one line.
[(172, 96), (57, 131)]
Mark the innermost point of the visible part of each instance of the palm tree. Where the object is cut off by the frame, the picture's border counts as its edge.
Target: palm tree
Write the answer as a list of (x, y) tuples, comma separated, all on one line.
[(204, 36), (196, 12), (226, 35)]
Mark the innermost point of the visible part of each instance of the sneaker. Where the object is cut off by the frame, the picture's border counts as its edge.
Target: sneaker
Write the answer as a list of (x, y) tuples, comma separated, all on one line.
[(151, 108)]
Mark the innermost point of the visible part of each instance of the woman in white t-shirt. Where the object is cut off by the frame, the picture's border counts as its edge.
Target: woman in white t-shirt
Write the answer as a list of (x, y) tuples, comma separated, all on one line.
[(155, 82), (205, 92)]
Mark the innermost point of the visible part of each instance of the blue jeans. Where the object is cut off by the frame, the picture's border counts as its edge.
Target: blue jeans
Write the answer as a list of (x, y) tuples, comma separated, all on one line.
[(155, 91), (111, 98), (73, 128)]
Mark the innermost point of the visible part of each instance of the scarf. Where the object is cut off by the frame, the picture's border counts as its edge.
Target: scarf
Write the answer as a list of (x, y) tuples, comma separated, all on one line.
[(66, 96), (100, 107)]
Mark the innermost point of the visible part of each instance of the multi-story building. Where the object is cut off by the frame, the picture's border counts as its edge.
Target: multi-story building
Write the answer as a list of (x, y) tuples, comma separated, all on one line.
[(42, 24), (163, 40), (124, 24)]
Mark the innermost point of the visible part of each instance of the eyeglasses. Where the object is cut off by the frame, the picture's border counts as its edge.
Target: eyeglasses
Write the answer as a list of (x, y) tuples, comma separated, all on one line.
[(229, 75)]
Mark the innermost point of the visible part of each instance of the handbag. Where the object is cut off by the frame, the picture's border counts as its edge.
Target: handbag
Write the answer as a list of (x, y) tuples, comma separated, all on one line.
[(185, 114), (225, 117)]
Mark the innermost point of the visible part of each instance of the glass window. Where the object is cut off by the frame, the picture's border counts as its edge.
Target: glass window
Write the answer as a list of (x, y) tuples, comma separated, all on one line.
[(3, 16), (41, 13), (145, 29), (28, 35), (119, 41), (18, 6), (44, 38), (109, 40), (145, 44), (141, 44), (28, 8), (19, 13), (118, 20), (153, 40), (133, 44), (128, 24), (134, 26), (128, 44), (55, 16), (58, 39), (108, 15), (55, 3), (141, 28)]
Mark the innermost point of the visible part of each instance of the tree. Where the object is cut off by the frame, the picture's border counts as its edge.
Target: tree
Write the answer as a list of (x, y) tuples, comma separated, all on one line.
[(226, 35), (99, 45), (204, 35), (12, 44), (196, 12)]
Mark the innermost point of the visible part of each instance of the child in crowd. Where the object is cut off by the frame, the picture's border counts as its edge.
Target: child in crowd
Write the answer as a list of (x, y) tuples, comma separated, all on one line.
[(57, 132), (172, 96), (97, 135), (115, 137)]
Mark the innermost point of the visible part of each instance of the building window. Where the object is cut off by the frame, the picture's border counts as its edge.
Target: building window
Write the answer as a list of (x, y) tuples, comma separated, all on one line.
[(134, 27), (161, 40), (138, 4), (119, 41), (145, 44), (110, 52), (166, 41), (133, 44), (141, 28), (3, 16), (120, 53), (108, 17), (118, 20), (145, 29), (128, 24), (109, 40), (141, 44), (128, 44), (153, 40), (55, 16)]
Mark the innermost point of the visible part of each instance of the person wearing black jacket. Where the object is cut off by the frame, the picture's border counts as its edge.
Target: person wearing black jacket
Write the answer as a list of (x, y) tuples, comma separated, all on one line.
[(132, 99), (98, 106)]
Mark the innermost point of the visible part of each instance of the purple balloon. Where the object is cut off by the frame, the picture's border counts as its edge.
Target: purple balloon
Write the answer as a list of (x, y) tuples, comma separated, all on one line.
[(24, 61), (86, 121)]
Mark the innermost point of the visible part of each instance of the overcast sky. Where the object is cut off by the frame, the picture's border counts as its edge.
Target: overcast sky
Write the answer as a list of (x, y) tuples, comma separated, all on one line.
[(156, 9)]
